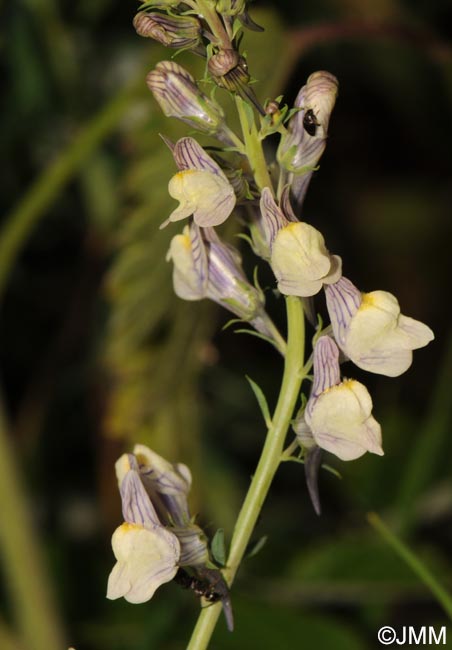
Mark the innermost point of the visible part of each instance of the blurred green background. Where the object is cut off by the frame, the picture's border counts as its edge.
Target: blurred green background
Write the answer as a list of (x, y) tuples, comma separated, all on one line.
[(97, 354)]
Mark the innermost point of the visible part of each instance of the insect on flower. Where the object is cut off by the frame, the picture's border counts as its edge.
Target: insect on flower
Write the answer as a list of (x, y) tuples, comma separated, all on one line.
[(310, 122), (209, 584)]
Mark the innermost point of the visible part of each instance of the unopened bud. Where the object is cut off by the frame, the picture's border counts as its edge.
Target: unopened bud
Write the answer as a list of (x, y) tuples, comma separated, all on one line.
[(223, 62), (230, 70), (272, 108), (180, 32), (231, 7), (302, 146), (178, 96)]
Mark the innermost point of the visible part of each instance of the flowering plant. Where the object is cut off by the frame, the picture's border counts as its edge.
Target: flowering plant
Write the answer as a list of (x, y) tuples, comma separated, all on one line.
[(237, 178)]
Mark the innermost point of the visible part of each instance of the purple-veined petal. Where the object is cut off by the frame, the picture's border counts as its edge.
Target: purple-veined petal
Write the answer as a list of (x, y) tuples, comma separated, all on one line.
[(167, 486), (136, 504), (188, 154), (326, 366), (343, 300), (272, 217)]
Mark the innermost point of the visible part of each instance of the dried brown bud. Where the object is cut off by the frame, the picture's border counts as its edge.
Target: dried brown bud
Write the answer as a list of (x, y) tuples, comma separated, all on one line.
[(223, 62), (172, 31), (272, 108)]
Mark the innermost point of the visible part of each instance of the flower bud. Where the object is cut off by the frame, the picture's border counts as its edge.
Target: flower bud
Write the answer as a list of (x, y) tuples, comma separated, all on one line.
[(230, 7), (182, 32), (178, 96), (223, 62), (302, 146), (230, 70), (300, 149), (205, 267)]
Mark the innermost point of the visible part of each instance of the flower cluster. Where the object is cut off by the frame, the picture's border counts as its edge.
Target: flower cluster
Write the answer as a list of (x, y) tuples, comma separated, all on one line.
[(367, 328), (211, 185), (158, 535), (159, 541)]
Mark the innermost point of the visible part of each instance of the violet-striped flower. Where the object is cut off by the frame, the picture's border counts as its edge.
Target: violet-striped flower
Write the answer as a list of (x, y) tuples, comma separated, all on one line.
[(158, 534), (181, 32), (168, 486), (206, 267), (338, 415), (371, 331), (302, 146), (296, 250), (178, 96), (267, 224), (200, 186), (147, 553)]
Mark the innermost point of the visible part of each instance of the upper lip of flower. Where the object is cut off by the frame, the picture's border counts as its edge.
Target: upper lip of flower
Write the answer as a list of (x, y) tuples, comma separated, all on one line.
[(200, 185)]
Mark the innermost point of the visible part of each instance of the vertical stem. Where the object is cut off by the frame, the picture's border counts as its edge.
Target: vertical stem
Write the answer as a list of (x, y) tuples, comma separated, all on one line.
[(266, 468), (39, 627), (253, 145), (213, 19)]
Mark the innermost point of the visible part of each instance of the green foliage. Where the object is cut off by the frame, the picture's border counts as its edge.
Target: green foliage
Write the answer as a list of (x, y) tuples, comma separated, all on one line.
[(218, 548), (262, 401)]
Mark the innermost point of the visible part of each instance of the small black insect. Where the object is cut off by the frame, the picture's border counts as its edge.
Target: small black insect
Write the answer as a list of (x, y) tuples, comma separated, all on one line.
[(209, 584), (310, 122)]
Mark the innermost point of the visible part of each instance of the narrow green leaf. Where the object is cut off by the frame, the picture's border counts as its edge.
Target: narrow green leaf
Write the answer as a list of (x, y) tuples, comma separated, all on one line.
[(256, 334), (256, 547), (218, 548), (261, 400)]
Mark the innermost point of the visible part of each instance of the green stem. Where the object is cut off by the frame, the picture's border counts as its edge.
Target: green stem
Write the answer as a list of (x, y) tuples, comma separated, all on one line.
[(213, 20), (423, 573), (254, 150), (36, 617), (266, 468)]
